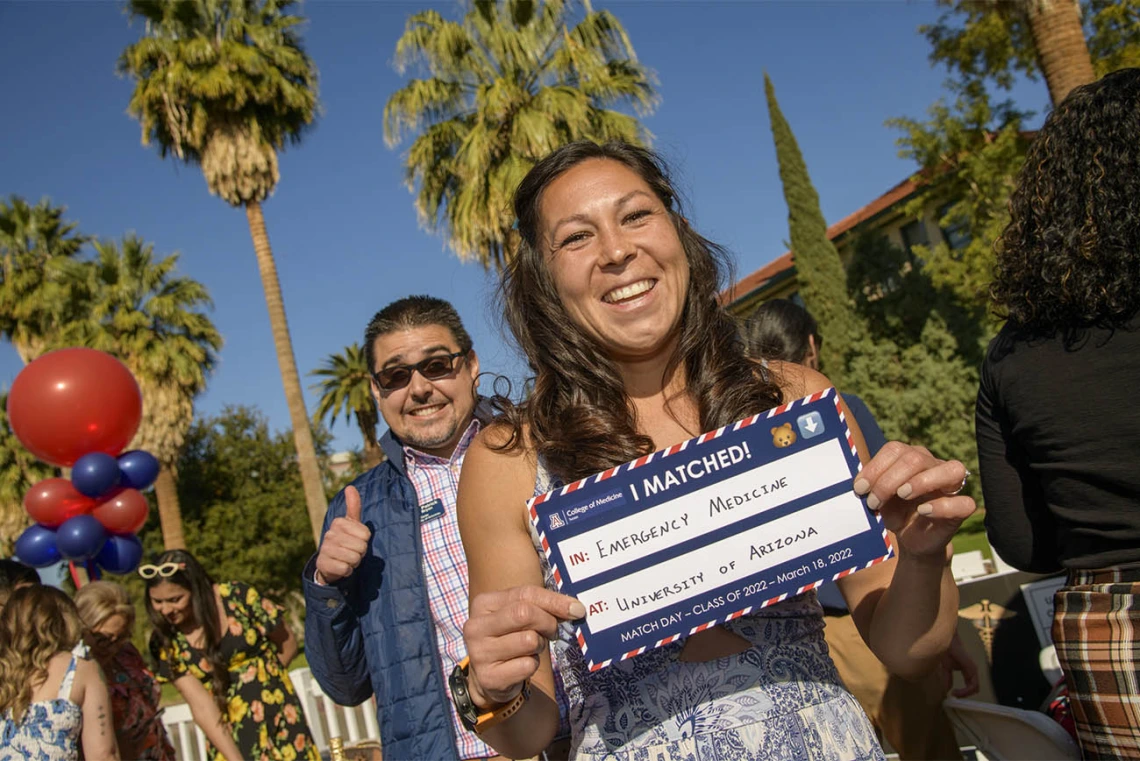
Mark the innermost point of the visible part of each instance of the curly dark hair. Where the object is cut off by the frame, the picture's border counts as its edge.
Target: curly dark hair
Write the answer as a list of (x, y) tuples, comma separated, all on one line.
[(579, 416), (1070, 256)]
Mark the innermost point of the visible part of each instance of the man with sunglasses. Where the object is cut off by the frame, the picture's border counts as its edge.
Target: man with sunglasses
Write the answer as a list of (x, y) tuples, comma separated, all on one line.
[(387, 591)]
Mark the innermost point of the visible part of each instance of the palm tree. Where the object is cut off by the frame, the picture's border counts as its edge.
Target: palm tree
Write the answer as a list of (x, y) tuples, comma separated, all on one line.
[(33, 303), (347, 388), (153, 320), (1062, 51), (19, 471), (225, 84), (509, 84)]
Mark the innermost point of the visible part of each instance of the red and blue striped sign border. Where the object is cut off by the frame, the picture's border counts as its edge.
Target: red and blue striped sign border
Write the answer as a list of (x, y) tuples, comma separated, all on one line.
[(702, 439)]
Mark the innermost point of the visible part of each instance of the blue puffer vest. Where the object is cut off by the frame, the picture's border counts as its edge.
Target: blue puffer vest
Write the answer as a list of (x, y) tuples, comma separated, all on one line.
[(372, 633)]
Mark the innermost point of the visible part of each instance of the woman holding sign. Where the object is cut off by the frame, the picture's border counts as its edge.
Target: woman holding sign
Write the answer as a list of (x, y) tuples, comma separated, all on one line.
[(613, 298)]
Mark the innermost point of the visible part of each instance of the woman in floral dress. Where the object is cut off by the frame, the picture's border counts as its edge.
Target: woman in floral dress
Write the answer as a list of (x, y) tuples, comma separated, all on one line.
[(226, 649), (108, 618)]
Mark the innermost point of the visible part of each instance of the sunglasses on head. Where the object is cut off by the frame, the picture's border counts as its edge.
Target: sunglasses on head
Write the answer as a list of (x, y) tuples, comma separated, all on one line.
[(99, 639), (395, 377), (165, 570)]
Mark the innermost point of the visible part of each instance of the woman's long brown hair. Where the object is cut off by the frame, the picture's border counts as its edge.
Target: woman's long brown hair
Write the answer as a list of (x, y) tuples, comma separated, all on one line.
[(578, 415), (37, 623)]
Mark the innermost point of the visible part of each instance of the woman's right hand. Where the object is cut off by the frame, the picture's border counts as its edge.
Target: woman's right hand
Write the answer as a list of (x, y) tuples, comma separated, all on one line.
[(505, 633)]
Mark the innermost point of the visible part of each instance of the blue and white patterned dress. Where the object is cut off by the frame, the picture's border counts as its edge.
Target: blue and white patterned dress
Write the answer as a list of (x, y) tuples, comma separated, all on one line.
[(48, 730), (779, 699)]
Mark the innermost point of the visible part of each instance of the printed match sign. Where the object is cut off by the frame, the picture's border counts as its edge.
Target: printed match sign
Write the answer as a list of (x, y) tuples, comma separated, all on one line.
[(710, 529)]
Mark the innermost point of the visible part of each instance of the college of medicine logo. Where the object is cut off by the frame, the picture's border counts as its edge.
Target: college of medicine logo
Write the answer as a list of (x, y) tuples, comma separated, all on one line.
[(556, 521)]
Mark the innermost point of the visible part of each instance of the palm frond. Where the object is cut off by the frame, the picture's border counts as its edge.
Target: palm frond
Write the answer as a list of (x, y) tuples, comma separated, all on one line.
[(505, 86)]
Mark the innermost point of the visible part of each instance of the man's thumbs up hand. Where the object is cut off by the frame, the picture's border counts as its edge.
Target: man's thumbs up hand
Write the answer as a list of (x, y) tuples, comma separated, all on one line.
[(345, 543)]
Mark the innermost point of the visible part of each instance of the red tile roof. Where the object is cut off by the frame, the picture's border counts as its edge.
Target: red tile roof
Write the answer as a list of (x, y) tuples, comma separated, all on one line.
[(762, 276)]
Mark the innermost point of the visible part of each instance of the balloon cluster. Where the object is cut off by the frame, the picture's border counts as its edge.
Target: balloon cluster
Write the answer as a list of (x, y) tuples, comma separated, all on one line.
[(79, 408)]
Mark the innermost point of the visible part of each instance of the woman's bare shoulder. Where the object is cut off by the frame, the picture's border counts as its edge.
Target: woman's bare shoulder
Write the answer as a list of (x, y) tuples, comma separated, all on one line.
[(499, 459), (503, 443)]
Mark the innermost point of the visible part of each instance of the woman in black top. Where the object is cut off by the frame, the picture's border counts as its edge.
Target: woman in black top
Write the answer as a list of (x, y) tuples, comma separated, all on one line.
[(1057, 425)]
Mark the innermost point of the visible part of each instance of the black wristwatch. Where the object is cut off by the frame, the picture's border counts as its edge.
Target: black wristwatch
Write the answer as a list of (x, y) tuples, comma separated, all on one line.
[(474, 719)]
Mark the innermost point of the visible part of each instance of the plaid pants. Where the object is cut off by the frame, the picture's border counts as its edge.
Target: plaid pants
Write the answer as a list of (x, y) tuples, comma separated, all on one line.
[(1094, 622)]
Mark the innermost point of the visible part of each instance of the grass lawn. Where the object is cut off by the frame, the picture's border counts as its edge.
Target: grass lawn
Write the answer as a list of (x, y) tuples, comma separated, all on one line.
[(171, 696)]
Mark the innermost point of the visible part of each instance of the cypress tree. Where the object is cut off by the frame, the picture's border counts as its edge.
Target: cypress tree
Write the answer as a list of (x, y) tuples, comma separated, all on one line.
[(819, 270)]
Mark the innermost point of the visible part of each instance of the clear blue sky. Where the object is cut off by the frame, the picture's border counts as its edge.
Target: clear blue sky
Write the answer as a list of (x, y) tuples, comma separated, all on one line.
[(342, 224)]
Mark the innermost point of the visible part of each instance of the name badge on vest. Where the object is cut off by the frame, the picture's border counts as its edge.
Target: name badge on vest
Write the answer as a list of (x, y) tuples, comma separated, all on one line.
[(429, 511)]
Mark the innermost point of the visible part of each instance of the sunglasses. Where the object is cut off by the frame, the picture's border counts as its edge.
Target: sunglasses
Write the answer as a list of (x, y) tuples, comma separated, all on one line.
[(166, 570), (395, 377), (104, 641)]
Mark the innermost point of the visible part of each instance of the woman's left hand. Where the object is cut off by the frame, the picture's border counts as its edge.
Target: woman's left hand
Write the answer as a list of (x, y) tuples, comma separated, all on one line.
[(917, 495)]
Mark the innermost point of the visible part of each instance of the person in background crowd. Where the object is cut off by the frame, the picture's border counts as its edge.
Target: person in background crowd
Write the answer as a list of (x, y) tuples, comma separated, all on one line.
[(13, 576), (907, 714), (1057, 423), (51, 701), (225, 649), (108, 618), (386, 595), (612, 297)]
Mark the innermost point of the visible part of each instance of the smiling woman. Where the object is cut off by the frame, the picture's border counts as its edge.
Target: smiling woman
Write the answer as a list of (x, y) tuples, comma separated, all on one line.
[(225, 648), (612, 297)]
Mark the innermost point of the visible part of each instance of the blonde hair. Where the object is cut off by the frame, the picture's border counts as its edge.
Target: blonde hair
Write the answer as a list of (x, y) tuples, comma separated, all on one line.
[(99, 600), (37, 623)]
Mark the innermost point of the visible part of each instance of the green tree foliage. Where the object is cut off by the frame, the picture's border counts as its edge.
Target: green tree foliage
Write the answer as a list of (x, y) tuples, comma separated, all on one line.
[(140, 310), (972, 143), (819, 270), (34, 304), (990, 42), (972, 152), (883, 323), (347, 389), (223, 84), (916, 366), (239, 487), (19, 471), (510, 83)]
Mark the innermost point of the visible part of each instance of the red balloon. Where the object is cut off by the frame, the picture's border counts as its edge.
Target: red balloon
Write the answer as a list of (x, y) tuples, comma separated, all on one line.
[(54, 500), (74, 401), (124, 512)]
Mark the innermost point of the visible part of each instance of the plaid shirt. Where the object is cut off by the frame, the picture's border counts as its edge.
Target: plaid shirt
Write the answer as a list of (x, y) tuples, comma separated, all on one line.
[(445, 565)]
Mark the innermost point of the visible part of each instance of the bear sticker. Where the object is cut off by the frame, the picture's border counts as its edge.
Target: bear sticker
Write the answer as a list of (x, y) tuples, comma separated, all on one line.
[(783, 436)]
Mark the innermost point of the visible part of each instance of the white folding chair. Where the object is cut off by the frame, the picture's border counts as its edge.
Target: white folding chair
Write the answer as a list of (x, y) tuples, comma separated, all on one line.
[(1010, 734), (188, 739), (327, 719)]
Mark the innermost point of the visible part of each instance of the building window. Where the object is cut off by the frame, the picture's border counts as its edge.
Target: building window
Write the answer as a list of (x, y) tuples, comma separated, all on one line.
[(914, 234), (956, 233)]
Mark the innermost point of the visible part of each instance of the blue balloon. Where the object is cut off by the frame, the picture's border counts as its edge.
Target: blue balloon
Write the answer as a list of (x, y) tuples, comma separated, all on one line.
[(80, 538), (95, 474), (36, 546), (137, 469), (121, 553)]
